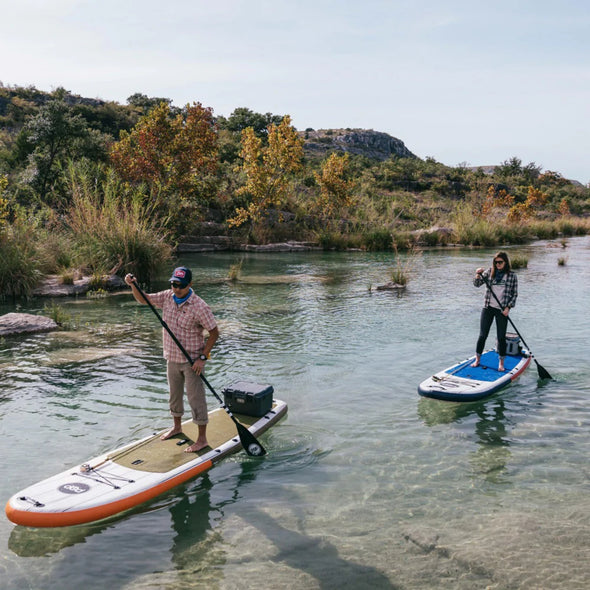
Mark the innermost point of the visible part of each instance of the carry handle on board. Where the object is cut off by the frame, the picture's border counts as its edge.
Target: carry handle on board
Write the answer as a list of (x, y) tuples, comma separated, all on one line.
[(543, 373), (248, 440)]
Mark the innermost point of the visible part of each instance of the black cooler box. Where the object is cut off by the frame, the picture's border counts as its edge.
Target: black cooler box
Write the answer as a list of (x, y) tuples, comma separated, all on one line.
[(251, 399)]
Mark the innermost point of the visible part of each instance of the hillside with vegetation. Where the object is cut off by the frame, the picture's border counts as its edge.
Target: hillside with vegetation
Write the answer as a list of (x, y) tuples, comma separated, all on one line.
[(100, 187)]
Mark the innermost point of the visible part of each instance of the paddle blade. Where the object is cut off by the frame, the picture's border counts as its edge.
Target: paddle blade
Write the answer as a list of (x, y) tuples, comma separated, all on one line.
[(543, 373), (249, 442)]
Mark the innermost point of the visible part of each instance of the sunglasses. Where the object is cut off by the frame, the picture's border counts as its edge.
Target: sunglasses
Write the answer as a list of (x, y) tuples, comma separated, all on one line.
[(176, 285), (498, 262)]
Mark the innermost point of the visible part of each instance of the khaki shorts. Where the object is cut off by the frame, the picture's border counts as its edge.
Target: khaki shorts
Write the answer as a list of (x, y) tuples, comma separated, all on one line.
[(181, 375)]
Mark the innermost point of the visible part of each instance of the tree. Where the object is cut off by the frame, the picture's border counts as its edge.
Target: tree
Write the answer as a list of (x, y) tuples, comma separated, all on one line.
[(268, 169), (514, 168), (50, 138), (146, 103), (242, 118), (522, 211), (511, 167), (231, 128), (335, 186), (173, 155)]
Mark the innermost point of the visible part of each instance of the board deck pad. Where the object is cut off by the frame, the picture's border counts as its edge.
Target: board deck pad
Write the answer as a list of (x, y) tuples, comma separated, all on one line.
[(488, 367), (159, 456)]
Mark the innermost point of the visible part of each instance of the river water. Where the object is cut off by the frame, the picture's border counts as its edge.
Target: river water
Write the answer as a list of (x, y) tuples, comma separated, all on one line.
[(365, 485)]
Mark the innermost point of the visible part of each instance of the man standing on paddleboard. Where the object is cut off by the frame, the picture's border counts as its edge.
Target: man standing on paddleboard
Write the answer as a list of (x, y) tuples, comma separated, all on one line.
[(187, 316), (501, 294)]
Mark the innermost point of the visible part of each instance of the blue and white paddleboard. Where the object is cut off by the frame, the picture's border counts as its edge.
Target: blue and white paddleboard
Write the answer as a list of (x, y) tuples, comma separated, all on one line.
[(463, 383)]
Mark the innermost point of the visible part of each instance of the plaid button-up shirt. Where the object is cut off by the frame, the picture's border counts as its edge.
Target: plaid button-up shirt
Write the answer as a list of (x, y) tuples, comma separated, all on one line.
[(187, 322), (510, 289)]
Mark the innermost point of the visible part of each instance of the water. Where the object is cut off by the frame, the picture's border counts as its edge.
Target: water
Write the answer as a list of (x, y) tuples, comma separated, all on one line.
[(366, 485)]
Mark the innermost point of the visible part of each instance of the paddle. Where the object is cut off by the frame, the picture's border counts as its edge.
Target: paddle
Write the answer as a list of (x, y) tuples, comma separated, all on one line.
[(248, 440), (543, 373)]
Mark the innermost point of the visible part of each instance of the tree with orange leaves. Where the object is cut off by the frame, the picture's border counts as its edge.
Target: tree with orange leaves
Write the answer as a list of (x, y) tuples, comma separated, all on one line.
[(564, 208), (496, 199), (174, 155)]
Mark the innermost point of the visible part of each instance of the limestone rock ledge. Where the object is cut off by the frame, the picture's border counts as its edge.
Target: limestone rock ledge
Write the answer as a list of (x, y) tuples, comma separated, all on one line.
[(25, 323), (53, 287)]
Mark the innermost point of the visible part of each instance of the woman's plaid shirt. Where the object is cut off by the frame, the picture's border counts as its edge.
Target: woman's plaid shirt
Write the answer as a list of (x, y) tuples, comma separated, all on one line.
[(187, 322), (510, 291)]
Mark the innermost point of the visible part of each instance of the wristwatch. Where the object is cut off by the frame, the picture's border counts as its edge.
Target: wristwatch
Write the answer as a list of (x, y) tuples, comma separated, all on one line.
[(202, 357)]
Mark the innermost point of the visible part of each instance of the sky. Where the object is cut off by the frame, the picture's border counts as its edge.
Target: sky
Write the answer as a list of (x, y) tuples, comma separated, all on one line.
[(464, 82)]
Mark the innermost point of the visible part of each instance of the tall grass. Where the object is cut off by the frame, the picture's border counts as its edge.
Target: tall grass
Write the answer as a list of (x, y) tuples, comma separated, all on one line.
[(471, 229), (403, 268), (468, 228), (21, 257), (235, 270), (113, 229), (519, 261)]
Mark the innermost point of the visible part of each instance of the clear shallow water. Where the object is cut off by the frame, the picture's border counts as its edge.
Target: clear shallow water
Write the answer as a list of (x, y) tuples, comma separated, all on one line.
[(366, 485)]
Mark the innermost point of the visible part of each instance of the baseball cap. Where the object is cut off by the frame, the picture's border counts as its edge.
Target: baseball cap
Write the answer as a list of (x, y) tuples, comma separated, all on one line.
[(183, 275)]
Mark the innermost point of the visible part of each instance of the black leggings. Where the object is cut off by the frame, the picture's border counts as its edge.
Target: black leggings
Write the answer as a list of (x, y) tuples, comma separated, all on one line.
[(485, 323)]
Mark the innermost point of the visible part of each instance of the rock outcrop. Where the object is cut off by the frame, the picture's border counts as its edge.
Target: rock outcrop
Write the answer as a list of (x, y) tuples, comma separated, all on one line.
[(52, 286), (25, 323), (364, 142)]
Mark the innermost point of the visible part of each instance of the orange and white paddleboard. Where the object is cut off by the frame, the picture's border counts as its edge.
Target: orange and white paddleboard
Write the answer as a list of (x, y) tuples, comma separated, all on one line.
[(133, 474)]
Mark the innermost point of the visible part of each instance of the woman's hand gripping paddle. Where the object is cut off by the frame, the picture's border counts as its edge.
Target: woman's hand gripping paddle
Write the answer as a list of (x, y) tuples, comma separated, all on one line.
[(248, 440), (543, 373)]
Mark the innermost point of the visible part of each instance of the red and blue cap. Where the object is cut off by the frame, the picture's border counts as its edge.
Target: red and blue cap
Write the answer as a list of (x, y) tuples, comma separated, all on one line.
[(182, 275)]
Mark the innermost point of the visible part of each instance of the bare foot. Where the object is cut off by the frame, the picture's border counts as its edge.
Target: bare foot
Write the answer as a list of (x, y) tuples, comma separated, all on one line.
[(172, 432), (501, 368), (475, 364), (196, 446)]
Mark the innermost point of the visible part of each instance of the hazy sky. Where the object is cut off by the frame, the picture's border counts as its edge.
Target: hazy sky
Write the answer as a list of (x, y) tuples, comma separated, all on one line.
[(460, 81)]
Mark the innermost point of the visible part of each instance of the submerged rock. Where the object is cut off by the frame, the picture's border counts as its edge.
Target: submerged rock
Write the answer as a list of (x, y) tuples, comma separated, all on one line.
[(66, 356), (391, 286), (25, 323)]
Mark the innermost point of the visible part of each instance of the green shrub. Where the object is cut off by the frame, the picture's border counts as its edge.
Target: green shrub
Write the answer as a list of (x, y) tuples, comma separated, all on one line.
[(378, 240), (21, 261), (402, 241), (67, 276), (59, 256), (58, 314), (519, 262)]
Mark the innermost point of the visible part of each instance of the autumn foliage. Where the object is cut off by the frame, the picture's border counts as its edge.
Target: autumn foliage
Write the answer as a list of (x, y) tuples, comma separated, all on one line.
[(335, 185), (268, 170), (173, 155), (498, 200)]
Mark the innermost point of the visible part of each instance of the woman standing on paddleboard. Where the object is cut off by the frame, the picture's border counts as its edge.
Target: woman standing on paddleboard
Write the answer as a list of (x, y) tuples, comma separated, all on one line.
[(503, 282)]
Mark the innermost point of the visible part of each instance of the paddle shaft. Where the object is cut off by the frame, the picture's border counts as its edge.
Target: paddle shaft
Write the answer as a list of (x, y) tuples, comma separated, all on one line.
[(248, 440), (543, 373), (456, 370)]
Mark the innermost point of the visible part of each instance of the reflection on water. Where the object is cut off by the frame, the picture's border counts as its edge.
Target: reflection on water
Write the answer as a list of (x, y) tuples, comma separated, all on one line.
[(487, 421), (366, 484)]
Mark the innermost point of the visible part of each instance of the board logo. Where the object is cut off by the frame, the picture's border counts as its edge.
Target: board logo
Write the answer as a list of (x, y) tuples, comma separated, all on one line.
[(74, 488)]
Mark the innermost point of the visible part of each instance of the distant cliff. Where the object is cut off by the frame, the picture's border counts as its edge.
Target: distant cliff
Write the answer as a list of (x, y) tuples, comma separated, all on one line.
[(364, 142)]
